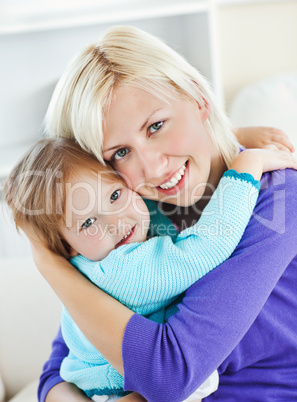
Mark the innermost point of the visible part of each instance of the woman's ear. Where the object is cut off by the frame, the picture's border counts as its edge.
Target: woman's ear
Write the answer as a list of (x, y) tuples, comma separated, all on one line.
[(204, 109), (72, 252)]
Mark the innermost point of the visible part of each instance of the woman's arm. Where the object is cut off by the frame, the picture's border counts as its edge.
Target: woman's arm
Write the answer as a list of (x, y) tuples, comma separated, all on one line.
[(76, 292), (258, 137), (217, 311), (97, 342), (65, 391)]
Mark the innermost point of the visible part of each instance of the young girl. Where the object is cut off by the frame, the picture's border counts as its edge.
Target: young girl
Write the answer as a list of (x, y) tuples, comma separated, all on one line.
[(153, 115), (111, 238)]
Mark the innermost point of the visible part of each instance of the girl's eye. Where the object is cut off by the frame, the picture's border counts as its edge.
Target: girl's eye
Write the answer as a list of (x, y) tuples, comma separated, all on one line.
[(89, 222), (120, 153), (115, 195), (155, 127)]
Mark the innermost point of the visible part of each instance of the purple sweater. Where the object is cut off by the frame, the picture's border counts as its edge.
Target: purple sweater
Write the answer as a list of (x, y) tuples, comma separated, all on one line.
[(240, 318)]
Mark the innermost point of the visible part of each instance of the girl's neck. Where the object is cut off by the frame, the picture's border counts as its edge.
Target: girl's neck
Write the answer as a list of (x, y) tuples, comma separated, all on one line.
[(187, 216)]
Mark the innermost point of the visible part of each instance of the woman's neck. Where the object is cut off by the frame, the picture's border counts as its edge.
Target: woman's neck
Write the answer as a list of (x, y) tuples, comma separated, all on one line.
[(187, 216)]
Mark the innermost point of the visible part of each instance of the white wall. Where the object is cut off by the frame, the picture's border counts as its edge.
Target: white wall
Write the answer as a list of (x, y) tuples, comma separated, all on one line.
[(256, 41), (33, 61)]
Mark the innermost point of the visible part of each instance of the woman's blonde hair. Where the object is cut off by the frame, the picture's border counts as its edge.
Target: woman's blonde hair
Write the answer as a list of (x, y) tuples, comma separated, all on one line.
[(128, 56), (35, 190)]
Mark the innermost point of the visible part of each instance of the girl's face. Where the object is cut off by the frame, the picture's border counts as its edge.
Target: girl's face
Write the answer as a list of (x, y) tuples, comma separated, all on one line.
[(101, 215), (160, 148)]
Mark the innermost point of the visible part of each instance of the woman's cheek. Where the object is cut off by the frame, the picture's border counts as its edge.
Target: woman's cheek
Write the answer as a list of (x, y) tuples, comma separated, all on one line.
[(131, 177)]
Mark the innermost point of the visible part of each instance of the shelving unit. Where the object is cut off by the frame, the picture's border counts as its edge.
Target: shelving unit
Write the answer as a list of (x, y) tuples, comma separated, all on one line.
[(68, 15), (38, 42)]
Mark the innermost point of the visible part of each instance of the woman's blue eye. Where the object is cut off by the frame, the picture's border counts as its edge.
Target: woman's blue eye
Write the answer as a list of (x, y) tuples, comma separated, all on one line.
[(89, 222), (115, 195), (155, 127), (120, 153)]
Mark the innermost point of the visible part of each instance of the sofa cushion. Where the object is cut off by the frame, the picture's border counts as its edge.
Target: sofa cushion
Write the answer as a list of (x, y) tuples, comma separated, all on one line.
[(270, 102), (2, 390), (27, 394), (29, 318)]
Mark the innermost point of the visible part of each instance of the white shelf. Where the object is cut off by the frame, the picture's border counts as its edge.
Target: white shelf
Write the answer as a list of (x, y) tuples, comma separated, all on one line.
[(243, 2), (48, 17), (186, 25)]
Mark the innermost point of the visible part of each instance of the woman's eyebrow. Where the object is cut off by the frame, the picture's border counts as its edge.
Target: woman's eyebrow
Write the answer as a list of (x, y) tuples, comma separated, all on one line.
[(141, 128), (111, 148), (148, 118)]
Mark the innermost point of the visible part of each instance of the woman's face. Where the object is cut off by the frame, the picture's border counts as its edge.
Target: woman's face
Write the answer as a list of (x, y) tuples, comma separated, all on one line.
[(161, 148)]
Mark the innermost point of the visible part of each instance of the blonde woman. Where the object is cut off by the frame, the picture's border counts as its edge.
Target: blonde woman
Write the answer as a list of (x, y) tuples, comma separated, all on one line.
[(138, 105)]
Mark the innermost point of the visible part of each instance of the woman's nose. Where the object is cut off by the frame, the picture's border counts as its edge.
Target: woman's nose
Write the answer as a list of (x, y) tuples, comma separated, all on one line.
[(153, 164)]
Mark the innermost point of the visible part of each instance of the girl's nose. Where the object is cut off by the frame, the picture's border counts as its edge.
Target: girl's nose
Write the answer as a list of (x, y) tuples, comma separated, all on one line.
[(117, 224)]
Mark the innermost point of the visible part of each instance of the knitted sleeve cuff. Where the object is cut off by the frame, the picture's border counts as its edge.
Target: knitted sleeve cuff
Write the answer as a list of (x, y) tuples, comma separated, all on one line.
[(247, 177)]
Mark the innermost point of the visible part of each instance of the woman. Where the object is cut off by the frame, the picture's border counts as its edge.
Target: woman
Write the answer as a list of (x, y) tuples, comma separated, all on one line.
[(138, 105)]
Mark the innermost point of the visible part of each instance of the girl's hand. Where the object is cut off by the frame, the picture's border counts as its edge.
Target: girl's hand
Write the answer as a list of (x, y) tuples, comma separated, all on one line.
[(258, 161), (259, 137)]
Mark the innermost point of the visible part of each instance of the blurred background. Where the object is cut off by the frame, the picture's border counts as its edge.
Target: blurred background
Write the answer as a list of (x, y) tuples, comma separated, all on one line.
[(247, 49), (235, 43)]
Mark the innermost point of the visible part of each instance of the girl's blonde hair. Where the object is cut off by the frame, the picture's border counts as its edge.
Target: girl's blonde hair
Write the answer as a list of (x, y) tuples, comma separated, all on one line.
[(128, 56), (35, 190)]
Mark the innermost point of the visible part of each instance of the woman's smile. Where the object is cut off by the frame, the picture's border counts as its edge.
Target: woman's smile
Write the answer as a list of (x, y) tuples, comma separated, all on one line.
[(176, 182)]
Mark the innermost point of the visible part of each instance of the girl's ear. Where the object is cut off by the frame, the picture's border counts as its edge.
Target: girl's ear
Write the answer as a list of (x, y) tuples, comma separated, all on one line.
[(204, 109)]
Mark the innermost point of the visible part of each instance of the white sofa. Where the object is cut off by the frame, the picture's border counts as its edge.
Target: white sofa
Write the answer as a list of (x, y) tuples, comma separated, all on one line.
[(270, 102), (29, 317)]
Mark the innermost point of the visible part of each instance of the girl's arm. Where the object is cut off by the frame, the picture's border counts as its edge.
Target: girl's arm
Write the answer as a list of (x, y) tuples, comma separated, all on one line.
[(174, 266), (116, 364), (163, 268), (217, 311), (247, 279), (258, 137)]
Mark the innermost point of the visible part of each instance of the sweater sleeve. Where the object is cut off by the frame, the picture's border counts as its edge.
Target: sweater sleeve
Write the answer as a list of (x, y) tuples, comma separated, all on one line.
[(51, 370), (169, 361), (148, 276)]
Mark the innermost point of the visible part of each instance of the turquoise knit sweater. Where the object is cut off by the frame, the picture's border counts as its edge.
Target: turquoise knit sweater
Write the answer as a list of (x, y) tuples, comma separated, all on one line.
[(149, 276)]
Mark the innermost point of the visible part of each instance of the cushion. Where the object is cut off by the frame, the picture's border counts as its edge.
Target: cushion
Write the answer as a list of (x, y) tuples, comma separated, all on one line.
[(29, 316), (2, 390), (27, 394), (271, 102)]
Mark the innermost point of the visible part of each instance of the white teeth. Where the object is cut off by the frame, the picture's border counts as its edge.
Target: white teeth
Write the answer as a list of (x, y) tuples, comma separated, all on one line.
[(128, 234), (174, 180)]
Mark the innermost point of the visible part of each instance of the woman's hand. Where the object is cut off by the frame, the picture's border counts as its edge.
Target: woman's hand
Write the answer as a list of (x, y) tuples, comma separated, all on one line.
[(259, 137), (101, 318), (258, 161)]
